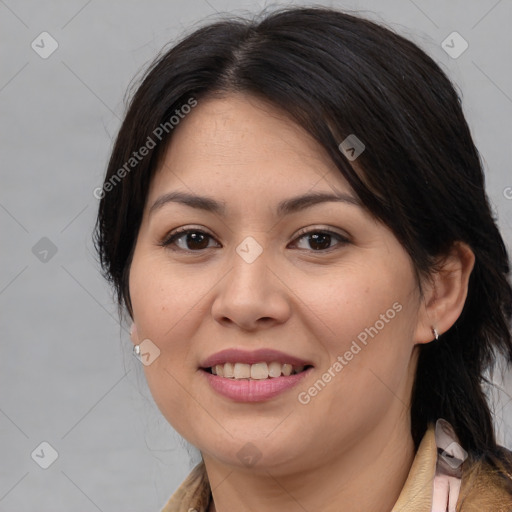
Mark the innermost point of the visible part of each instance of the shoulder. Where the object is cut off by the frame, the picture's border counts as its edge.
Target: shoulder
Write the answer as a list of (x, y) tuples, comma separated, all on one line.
[(193, 494), (487, 484)]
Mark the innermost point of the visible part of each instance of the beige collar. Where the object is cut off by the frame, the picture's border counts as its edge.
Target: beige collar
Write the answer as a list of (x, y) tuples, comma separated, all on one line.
[(416, 493), (416, 496)]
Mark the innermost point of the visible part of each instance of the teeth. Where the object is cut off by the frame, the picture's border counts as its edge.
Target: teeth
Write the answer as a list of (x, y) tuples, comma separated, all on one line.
[(242, 370), (274, 369), (258, 371), (229, 370), (287, 369)]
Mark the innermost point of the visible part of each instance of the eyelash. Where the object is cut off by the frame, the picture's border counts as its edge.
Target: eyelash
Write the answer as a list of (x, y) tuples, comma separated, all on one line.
[(171, 238)]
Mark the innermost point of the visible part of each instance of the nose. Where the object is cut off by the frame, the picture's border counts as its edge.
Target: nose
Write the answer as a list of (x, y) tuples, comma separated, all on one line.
[(252, 296)]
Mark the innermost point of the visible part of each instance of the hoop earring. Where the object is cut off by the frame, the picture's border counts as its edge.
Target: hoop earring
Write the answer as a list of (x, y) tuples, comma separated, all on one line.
[(435, 333)]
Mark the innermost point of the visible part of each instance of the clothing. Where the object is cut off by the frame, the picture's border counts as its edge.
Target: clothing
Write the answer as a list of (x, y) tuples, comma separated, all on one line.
[(481, 490)]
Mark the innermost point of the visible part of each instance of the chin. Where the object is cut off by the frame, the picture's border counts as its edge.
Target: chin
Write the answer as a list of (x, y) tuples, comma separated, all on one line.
[(275, 453)]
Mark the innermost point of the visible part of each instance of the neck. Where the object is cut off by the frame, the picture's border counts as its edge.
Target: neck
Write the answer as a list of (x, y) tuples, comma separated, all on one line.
[(367, 476)]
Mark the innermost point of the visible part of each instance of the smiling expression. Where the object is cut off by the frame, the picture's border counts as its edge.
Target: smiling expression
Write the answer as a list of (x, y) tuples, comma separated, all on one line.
[(231, 259)]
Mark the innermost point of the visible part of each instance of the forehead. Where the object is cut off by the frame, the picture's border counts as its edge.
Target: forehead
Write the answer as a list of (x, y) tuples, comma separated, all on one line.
[(240, 140)]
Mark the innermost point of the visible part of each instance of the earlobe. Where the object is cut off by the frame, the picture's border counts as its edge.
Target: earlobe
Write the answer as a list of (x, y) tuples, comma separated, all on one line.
[(445, 293), (133, 333)]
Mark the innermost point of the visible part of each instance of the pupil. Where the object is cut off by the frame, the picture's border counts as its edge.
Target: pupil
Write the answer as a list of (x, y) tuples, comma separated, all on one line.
[(325, 237), (194, 240)]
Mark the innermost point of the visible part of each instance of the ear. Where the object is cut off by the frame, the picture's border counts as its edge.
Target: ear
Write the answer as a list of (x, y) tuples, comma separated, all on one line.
[(444, 294), (133, 334)]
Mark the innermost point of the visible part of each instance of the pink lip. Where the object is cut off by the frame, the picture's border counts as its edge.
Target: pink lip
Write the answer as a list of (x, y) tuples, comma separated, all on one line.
[(245, 390), (233, 355)]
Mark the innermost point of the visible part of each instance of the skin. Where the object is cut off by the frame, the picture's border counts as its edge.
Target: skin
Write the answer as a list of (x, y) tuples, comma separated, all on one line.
[(303, 299)]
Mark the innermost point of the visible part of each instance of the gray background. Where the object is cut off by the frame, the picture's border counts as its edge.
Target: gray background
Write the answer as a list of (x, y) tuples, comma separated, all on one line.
[(67, 375)]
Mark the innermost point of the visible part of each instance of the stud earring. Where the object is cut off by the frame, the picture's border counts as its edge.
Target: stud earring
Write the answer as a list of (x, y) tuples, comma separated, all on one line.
[(435, 333)]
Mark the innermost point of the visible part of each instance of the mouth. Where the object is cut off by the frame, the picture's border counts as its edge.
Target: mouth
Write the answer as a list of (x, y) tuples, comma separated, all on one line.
[(258, 371), (255, 376), (259, 364)]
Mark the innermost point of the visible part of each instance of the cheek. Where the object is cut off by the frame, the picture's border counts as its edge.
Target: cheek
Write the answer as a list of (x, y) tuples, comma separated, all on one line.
[(165, 307), (163, 297), (368, 372), (359, 301), (365, 319), (171, 306)]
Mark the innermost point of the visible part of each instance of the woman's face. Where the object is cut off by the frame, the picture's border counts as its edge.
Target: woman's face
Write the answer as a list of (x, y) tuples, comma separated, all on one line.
[(319, 284)]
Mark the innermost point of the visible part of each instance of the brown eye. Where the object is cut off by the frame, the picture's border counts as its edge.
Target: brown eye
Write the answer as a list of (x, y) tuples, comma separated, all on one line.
[(195, 240), (321, 240), (188, 240)]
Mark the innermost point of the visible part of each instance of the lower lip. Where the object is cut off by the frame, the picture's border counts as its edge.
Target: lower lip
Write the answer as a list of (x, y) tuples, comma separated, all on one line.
[(253, 390)]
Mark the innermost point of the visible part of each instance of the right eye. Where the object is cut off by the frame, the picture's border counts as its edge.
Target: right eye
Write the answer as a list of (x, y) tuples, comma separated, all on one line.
[(191, 240)]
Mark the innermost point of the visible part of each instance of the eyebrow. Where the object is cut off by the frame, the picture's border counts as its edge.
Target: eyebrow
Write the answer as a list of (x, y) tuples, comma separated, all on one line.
[(286, 207)]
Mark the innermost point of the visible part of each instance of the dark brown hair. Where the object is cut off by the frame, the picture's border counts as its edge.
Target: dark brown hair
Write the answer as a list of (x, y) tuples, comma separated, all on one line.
[(336, 74)]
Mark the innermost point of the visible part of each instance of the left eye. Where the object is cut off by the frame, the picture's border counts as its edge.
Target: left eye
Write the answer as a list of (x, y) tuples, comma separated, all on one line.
[(196, 240), (322, 239)]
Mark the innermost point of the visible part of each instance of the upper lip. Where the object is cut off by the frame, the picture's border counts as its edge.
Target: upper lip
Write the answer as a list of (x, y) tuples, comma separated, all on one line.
[(234, 355)]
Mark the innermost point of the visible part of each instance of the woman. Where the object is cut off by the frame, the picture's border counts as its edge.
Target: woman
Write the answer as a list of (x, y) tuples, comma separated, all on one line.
[(294, 216)]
